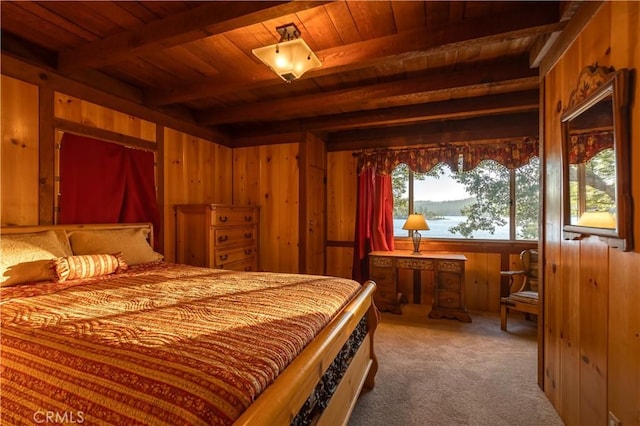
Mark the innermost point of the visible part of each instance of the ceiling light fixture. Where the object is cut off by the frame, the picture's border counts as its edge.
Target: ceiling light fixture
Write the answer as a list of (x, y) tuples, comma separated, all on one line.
[(290, 57)]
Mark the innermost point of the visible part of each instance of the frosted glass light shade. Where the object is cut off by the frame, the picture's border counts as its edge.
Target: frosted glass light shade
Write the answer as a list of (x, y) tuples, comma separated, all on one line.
[(597, 220), (289, 59)]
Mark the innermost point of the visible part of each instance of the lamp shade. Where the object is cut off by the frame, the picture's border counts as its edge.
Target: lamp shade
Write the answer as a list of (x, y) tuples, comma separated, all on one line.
[(289, 59), (416, 222), (597, 220)]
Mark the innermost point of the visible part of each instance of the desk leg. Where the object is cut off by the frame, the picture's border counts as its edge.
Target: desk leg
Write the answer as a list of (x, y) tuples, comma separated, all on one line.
[(449, 313), (417, 286)]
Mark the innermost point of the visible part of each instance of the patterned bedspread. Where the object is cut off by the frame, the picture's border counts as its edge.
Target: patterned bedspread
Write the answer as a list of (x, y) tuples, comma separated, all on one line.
[(168, 344)]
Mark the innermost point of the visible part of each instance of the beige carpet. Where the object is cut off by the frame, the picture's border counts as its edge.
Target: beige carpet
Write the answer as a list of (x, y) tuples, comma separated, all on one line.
[(445, 372)]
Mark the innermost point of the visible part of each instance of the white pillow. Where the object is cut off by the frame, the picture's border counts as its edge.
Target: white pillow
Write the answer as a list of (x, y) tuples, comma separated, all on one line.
[(27, 257), (132, 243)]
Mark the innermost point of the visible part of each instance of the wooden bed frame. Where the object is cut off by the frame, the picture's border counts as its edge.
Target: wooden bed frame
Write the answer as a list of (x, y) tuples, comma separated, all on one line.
[(283, 399)]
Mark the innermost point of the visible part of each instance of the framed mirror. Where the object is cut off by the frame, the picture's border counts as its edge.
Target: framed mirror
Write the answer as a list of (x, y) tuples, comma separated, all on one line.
[(595, 172)]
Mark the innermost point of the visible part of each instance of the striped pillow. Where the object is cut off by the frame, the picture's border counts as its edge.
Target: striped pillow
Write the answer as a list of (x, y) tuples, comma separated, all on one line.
[(87, 266)]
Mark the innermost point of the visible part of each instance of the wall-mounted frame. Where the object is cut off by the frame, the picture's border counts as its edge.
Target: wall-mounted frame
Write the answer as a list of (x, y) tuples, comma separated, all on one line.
[(596, 193)]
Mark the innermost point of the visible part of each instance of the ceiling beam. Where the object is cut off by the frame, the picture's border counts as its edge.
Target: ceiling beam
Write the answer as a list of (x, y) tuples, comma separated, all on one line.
[(512, 74), (536, 20), (270, 139), (45, 77), (200, 22), (469, 130), (527, 100), (580, 18)]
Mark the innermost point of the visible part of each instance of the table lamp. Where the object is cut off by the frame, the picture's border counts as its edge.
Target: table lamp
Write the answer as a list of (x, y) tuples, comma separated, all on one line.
[(597, 220), (415, 223)]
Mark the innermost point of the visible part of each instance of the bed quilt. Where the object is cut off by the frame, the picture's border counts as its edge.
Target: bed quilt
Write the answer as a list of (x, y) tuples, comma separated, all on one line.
[(157, 344)]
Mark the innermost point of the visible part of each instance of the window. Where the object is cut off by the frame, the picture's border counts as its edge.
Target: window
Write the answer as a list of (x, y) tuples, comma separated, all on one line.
[(488, 202), (592, 185)]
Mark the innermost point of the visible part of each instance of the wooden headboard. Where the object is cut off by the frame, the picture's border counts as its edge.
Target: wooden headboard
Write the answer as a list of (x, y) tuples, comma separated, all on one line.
[(13, 230)]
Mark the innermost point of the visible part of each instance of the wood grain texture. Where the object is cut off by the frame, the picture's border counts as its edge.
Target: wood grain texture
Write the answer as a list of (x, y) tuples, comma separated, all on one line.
[(340, 262), (341, 195), (93, 115), (47, 157), (313, 165), (19, 152), (269, 177), (196, 171), (624, 268), (592, 335), (594, 312)]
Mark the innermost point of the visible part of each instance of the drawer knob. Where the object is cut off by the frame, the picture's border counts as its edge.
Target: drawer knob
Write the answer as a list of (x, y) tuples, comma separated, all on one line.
[(248, 251), (248, 218), (223, 238), (224, 257), (223, 218), (248, 235), (248, 268)]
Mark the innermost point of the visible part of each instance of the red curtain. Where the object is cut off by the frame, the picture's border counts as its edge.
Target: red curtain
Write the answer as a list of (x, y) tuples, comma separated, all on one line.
[(374, 220), (382, 237), (102, 182)]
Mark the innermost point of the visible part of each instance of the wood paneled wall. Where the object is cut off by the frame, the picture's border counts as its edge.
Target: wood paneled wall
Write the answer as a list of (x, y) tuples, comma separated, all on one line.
[(190, 170), (92, 115), (592, 292), (269, 176), (195, 171), (19, 152), (342, 189), (313, 170)]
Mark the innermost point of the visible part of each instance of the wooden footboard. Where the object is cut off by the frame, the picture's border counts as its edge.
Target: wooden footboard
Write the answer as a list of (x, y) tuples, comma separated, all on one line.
[(281, 401)]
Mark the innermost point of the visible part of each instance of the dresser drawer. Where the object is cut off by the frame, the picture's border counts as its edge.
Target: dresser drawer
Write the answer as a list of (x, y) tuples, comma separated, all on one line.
[(246, 265), (376, 262), (217, 235), (385, 292), (449, 299), (234, 236), (451, 266), (223, 257), (382, 275), (449, 281), (424, 264), (231, 217)]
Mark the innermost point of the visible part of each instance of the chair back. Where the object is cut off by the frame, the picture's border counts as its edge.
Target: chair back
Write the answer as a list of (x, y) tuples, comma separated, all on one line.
[(529, 259)]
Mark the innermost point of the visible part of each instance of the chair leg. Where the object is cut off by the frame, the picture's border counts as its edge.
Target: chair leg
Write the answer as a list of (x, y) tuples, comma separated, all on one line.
[(503, 317)]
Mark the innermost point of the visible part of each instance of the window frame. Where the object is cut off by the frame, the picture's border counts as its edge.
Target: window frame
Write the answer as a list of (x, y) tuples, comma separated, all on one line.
[(512, 214)]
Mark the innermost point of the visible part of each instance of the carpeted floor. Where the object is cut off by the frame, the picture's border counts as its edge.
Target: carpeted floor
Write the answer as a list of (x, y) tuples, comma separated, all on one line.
[(445, 372)]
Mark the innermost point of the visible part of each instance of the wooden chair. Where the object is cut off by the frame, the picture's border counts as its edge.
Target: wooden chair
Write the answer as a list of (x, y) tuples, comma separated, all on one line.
[(524, 299)]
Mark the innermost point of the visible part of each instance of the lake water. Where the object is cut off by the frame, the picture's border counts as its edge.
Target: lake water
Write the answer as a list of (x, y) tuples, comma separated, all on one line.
[(440, 229)]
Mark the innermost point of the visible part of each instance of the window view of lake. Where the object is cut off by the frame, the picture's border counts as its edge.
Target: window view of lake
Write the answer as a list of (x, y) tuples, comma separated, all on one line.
[(469, 201), (439, 228)]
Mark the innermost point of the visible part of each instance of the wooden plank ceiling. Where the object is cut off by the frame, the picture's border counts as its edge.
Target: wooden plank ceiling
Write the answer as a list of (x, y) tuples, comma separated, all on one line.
[(393, 73)]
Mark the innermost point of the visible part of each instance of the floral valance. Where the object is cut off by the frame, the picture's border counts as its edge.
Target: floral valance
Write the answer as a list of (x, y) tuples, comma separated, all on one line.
[(419, 160), (587, 145), (512, 155)]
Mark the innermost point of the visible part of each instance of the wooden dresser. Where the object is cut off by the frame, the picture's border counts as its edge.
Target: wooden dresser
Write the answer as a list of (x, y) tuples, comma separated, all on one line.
[(217, 236), (448, 289)]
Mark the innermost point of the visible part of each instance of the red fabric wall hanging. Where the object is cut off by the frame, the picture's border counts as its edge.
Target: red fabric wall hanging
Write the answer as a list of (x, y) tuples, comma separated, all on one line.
[(103, 182)]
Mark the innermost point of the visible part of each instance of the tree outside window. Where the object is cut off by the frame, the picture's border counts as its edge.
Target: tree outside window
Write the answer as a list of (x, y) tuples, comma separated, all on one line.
[(488, 202)]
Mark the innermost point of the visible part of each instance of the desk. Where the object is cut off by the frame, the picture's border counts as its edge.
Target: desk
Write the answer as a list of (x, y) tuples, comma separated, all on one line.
[(448, 288)]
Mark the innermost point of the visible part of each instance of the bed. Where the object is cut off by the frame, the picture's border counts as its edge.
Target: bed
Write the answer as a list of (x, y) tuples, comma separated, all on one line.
[(98, 329)]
